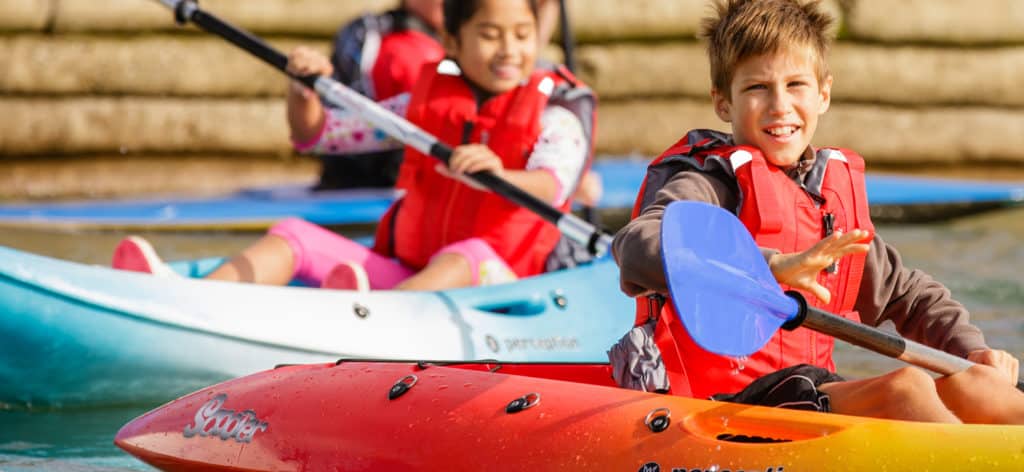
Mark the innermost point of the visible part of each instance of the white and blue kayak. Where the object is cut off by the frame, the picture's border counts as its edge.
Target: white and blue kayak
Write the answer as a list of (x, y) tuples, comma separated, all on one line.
[(74, 334), (893, 198)]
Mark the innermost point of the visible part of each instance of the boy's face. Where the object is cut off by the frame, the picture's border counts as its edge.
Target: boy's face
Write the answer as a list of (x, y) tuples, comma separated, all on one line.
[(774, 103)]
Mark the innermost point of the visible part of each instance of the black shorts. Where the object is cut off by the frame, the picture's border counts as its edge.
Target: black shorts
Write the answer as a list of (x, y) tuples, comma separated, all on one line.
[(794, 387)]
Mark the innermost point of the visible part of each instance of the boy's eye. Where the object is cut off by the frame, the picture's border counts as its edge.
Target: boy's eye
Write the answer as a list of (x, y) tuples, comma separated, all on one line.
[(755, 87)]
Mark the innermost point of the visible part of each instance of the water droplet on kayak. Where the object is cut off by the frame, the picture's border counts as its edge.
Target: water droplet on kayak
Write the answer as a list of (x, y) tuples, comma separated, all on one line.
[(442, 387)]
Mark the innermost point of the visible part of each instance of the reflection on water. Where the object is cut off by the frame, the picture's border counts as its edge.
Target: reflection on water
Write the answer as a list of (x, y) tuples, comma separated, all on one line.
[(978, 258), (77, 440)]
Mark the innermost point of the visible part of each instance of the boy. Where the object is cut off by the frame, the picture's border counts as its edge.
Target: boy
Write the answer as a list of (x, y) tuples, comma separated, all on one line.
[(770, 81)]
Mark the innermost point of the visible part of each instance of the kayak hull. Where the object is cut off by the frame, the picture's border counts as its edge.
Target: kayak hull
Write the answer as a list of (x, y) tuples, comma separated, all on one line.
[(343, 417), (74, 334)]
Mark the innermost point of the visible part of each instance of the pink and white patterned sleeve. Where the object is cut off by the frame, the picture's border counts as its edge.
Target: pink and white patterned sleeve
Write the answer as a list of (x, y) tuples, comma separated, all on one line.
[(345, 132), (561, 149)]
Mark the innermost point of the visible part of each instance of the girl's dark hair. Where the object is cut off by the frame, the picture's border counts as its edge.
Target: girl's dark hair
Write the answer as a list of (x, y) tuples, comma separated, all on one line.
[(458, 12)]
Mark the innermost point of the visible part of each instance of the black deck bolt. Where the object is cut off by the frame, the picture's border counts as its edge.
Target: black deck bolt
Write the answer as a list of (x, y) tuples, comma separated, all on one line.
[(522, 403), (402, 386), (658, 419), (558, 298)]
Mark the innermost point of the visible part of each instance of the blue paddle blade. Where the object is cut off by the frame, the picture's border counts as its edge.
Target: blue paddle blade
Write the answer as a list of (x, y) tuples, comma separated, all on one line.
[(718, 279)]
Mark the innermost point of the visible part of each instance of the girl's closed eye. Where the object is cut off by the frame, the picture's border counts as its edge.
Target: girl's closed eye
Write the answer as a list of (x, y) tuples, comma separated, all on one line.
[(524, 32), (489, 33)]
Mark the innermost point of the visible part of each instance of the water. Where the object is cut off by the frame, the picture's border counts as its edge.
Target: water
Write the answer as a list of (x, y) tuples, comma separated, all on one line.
[(979, 258), (78, 440)]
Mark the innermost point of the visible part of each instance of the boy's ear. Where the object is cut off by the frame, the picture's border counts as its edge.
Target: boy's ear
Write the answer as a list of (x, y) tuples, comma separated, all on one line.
[(722, 105), (825, 94)]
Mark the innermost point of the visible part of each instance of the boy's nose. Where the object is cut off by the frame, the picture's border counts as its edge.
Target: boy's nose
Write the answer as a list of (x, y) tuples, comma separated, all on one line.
[(781, 102)]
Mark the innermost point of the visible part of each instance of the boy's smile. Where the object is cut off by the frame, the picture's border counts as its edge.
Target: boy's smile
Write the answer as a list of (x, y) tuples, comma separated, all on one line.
[(774, 102)]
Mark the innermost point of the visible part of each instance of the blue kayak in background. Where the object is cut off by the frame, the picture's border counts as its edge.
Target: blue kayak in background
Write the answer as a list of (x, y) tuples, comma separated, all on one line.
[(75, 334), (893, 199)]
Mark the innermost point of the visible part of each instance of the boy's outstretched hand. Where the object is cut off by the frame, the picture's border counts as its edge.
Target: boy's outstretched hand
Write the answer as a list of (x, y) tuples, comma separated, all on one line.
[(800, 269)]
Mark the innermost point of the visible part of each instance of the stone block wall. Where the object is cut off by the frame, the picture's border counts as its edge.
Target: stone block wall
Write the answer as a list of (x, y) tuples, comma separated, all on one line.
[(103, 97)]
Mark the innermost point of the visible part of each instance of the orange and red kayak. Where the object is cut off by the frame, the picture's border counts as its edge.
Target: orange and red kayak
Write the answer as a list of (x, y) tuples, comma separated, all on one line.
[(363, 415)]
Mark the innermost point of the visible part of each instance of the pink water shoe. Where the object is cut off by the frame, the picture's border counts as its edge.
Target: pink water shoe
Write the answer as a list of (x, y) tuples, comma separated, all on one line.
[(347, 276), (136, 254)]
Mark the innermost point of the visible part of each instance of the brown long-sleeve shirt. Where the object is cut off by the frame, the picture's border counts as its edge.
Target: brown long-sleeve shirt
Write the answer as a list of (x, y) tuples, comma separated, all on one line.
[(921, 308)]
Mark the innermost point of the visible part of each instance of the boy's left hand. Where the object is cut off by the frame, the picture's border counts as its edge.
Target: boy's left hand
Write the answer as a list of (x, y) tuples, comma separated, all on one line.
[(1003, 361), (800, 269)]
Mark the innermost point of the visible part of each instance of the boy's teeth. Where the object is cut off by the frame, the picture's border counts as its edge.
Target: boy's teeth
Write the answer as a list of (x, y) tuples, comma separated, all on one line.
[(781, 131)]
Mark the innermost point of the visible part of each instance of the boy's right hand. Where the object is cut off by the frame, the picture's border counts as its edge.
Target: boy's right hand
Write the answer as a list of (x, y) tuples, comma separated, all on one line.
[(1002, 361), (307, 61), (800, 270)]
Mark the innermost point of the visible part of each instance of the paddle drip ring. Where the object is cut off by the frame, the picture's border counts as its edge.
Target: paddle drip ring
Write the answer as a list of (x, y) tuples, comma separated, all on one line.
[(658, 419), (402, 386), (522, 403)]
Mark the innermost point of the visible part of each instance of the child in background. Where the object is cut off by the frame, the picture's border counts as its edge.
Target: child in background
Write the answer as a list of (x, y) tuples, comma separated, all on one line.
[(379, 56), (807, 209), (530, 127)]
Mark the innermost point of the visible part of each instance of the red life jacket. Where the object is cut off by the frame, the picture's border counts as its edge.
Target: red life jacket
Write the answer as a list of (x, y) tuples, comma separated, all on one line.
[(780, 214), (436, 210)]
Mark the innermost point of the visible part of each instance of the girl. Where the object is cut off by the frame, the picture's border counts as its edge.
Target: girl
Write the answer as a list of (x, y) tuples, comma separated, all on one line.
[(507, 119), (379, 56)]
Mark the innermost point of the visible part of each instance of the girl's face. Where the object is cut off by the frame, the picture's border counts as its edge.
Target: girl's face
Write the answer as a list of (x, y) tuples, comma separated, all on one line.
[(497, 47)]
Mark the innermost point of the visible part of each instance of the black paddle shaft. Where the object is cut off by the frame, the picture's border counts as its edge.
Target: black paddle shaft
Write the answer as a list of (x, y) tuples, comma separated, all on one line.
[(567, 37), (595, 240), (877, 340)]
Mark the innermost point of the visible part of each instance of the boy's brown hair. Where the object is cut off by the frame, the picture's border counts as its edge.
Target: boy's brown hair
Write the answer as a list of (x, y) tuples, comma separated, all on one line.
[(745, 28)]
